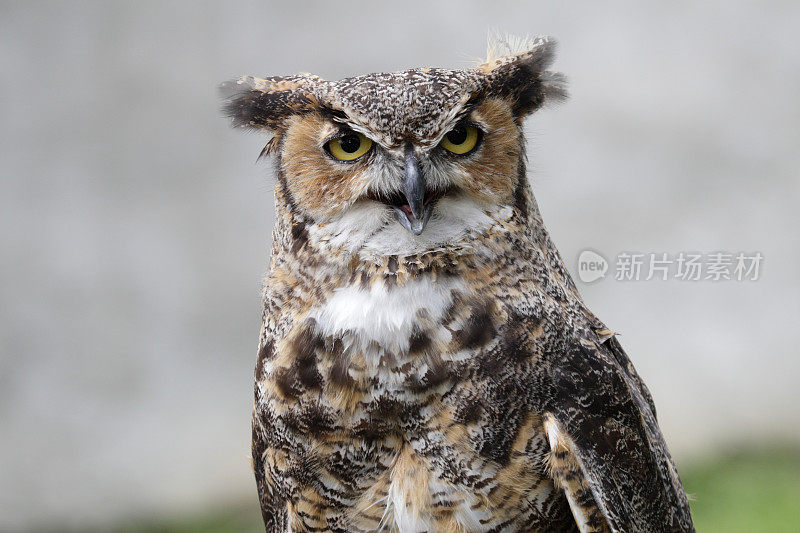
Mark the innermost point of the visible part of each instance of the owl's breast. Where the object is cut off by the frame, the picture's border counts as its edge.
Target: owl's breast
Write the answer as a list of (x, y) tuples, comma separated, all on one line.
[(405, 407)]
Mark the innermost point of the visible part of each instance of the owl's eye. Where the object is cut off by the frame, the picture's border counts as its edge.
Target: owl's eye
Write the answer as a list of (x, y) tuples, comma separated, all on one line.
[(349, 146), (462, 139)]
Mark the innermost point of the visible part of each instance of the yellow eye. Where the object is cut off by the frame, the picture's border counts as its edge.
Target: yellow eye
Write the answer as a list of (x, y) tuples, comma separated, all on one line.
[(461, 139), (349, 146)]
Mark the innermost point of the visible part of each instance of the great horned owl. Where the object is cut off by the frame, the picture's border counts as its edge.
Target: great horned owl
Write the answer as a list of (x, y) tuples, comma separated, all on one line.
[(425, 361)]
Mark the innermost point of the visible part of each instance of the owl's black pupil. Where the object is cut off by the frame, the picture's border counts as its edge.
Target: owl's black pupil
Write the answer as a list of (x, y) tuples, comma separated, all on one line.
[(350, 143), (457, 135)]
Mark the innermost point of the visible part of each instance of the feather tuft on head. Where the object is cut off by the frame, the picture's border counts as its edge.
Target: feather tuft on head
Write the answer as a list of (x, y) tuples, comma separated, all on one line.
[(516, 68), (500, 45)]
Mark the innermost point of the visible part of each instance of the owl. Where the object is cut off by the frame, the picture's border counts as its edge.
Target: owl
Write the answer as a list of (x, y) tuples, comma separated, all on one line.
[(425, 361)]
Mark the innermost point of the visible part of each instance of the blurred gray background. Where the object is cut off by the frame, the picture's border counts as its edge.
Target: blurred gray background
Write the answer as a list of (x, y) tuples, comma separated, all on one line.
[(134, 225)]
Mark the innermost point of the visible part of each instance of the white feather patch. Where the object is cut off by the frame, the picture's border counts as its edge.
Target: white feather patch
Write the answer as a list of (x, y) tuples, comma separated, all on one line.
[(384, 315)]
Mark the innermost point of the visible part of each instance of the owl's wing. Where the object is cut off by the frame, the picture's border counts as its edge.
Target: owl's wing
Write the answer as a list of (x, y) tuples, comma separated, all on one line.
[(273, 507), (608, 453)]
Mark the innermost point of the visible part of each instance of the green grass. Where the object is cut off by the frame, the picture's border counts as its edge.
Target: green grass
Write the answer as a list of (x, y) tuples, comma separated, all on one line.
[(235, 518), (744, 492)]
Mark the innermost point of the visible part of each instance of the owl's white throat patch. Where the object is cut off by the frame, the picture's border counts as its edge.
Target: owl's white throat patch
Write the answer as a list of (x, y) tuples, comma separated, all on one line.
[(371, 228), (382, 315)]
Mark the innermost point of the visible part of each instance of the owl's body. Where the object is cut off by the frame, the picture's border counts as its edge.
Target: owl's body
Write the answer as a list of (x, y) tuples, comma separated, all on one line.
[(425, 360)]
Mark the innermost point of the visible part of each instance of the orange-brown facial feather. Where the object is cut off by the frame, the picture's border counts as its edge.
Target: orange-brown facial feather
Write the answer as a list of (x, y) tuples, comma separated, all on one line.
[(319, 185), (490, 174)]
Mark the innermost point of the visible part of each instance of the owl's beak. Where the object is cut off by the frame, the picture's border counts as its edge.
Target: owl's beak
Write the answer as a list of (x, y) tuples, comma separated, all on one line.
[(415, 214)]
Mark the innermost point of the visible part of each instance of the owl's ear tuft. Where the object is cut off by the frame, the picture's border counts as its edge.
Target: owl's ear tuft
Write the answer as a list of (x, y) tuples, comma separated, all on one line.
[(523, 79), (264, 104)]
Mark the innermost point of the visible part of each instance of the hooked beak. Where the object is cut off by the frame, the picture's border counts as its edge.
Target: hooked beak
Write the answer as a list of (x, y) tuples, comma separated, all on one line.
[(414, 214)]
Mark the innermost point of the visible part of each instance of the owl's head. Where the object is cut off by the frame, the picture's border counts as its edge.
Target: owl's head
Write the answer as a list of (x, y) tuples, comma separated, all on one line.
[(399, 162)]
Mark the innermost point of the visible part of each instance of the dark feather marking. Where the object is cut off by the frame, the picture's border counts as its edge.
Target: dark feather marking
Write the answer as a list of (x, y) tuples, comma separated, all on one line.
[(391, 265), (520, 192), (299, 236), (316, 419), (340, 375), (451, 313), (285, 380), (419, 341), (372, 430), (303, 467), (304, 347), (265, 353), (438, 373), (490, 363), (515, 337), (479, 328), (468, 410), (393, 411)]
